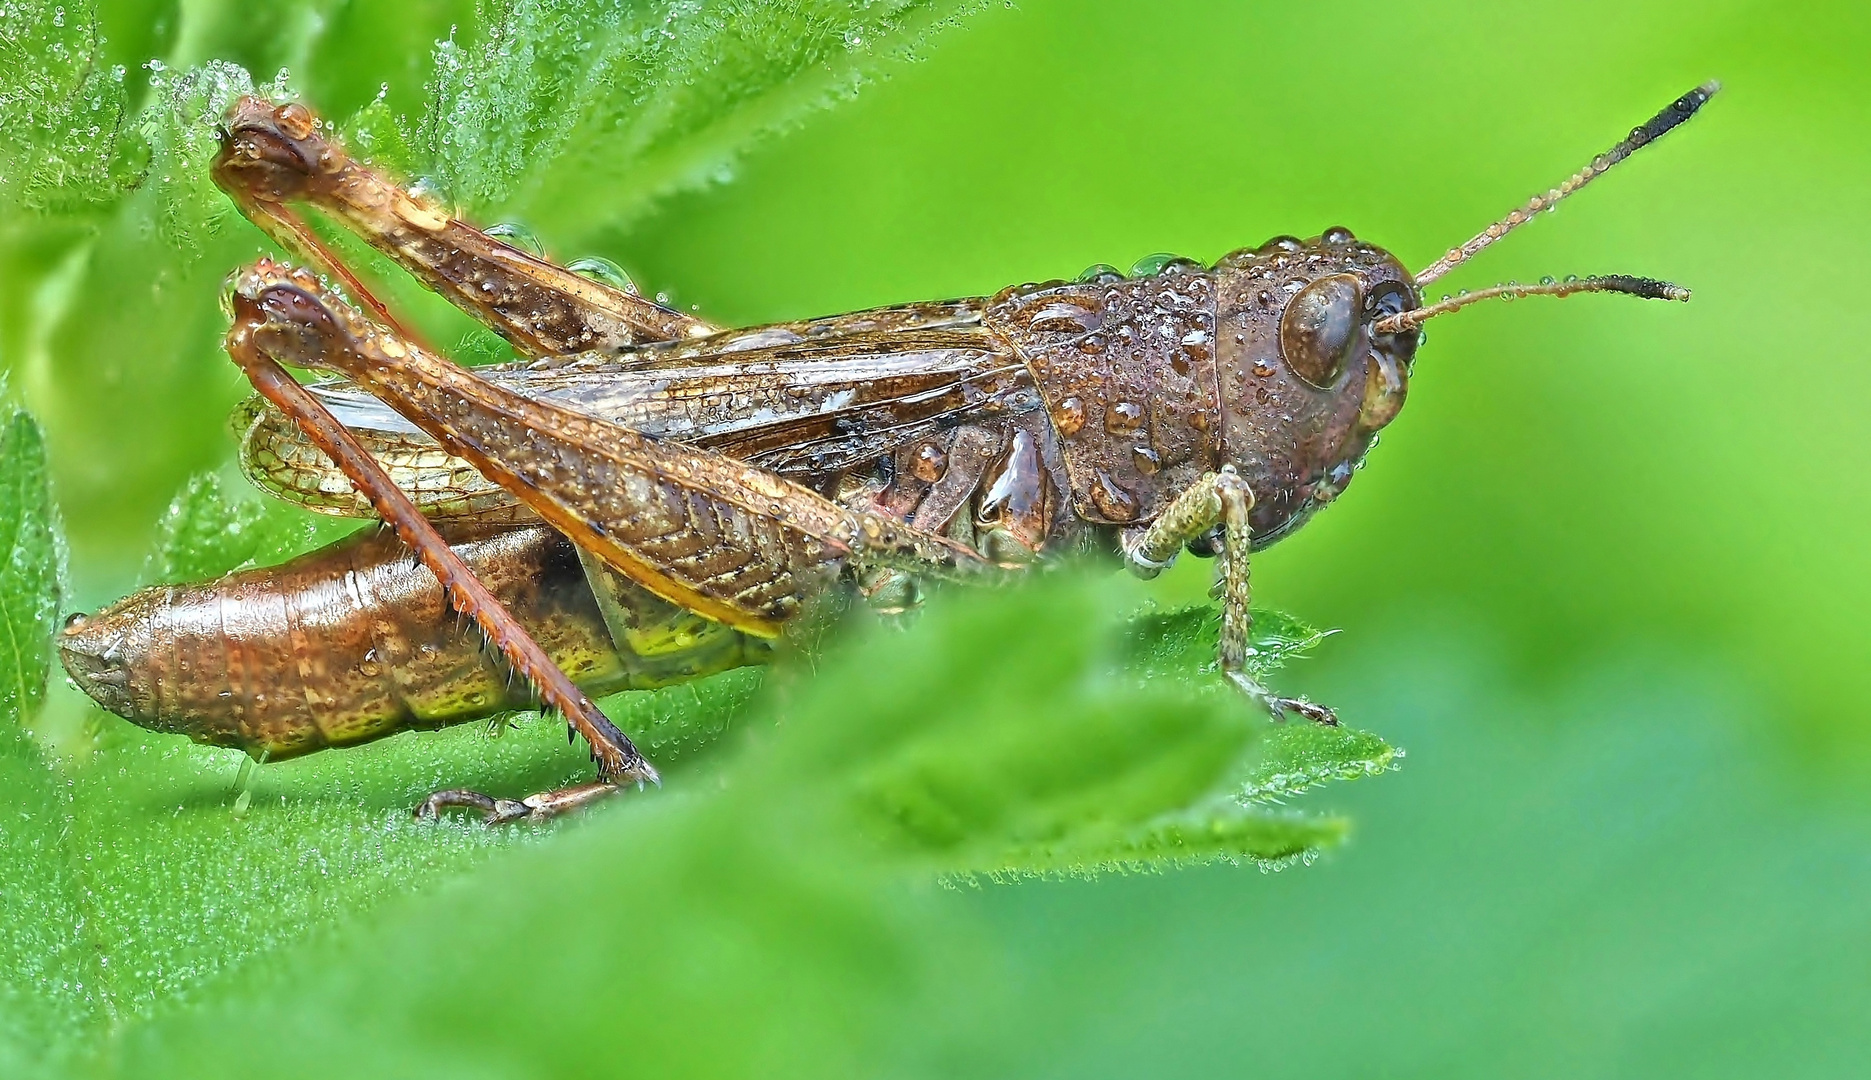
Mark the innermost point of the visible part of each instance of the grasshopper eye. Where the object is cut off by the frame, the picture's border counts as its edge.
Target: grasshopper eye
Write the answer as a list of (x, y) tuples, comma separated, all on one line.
[(1319, 328), (1384, 301)]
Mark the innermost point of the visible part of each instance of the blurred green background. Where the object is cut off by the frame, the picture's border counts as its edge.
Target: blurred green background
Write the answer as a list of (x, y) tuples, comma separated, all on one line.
[(1606, 579)]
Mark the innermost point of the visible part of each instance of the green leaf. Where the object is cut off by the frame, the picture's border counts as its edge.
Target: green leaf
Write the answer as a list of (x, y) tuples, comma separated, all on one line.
[(1223, 832), (62, 107), (29, 579), (209, 530), (574, 116), (48, 967)]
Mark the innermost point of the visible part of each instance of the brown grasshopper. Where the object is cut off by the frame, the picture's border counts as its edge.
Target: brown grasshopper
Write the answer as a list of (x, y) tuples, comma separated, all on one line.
[(655, 497)]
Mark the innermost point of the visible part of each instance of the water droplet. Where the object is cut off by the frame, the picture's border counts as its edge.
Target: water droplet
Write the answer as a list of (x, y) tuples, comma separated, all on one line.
[(1100, 274), (1153, 264), (605, 272), (1123, 417), (1063, 317), (1549, 280), (519, 236), (1111, 499), (1338, 234), (1069, 417), (1146, 460), (930, 464), (1281, 243), (1262, 368), (295, 120)]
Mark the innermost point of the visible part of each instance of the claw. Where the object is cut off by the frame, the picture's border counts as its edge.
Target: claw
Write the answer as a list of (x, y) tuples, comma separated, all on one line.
[(541, 807), (493, 811), (1278, 707), (1318, 714)]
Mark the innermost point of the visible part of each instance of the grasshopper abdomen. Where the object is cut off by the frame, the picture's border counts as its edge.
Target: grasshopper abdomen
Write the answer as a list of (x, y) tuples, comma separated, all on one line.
[(355, 641)]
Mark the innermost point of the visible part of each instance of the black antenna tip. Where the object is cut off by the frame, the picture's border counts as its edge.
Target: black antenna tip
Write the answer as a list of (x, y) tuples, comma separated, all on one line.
[(1647, 288), (1675, 113)]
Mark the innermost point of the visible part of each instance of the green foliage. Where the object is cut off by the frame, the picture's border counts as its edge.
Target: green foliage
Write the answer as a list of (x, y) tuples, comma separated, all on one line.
[(61, 106), (210, 530), (30, 578), (553, 95)]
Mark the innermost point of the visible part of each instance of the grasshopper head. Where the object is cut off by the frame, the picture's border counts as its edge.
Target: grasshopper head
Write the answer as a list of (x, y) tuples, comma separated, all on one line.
[(1316, 339), (1307, 375)]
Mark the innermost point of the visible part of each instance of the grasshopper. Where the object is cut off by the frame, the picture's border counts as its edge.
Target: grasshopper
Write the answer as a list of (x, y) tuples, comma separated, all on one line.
[(648, 497)]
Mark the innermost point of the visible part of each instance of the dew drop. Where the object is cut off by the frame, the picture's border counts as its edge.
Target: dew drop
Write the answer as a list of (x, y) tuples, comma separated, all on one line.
[(1154, 264), (295, 120), (1281, 243), (605, 272), (1146, 460), (519, 236), (1338, 235), (1065, 318), (1069, 417), (1123, 417), (1111, 499), (1100, 274), (930, 464)]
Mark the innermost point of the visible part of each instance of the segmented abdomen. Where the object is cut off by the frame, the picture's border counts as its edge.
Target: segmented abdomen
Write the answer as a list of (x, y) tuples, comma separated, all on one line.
[(355, 641)]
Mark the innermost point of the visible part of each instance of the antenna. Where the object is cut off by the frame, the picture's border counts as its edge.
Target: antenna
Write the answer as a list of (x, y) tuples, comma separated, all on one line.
[(1678, 111), (1645, 288)]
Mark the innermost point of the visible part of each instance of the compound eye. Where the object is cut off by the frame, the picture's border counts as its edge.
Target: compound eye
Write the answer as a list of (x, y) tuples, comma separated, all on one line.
[(1320, 327), (1388, 299)]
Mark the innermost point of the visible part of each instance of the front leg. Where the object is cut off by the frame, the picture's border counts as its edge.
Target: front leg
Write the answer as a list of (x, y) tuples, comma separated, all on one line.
[(1220, 499)]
